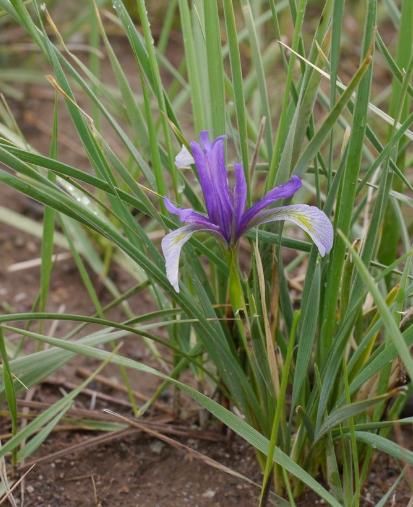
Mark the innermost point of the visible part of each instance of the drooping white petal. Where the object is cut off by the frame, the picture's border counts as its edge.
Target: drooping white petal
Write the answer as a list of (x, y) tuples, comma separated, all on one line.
[(172, 245), (309, 218), (173, 242), (184, 158)]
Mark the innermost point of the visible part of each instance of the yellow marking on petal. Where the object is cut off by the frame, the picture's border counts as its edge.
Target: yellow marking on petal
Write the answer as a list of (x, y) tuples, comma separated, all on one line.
[(304, 220), (179, 237)]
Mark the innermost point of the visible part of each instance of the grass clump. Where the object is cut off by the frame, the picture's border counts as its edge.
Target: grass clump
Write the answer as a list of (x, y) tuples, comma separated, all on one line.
[(306, 350)]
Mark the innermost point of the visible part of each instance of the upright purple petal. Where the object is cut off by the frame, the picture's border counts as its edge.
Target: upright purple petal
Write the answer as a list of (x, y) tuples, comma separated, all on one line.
[(189, 216), (205, 180), (239, 196), (309, 218), (210, 163), (204, 139), (284, 191)]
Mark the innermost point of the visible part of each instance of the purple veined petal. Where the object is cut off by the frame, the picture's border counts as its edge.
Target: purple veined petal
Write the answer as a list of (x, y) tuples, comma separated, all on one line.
[(184, 158), (172, 245), (239, 196), (309, 218), (210, 163), (284, 191), (189, 216), (216, 159), (205, 180)]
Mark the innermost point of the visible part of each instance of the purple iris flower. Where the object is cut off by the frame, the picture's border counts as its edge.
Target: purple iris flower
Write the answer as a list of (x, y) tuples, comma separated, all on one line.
[(226, 216)]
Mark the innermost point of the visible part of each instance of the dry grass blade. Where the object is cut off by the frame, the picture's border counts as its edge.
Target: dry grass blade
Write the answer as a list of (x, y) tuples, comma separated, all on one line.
[(135, 428), (255, 154), (90, 443), (178, 445), (161, 422), (162, 407), (8, 496), (94, 395), (272, 360), (34, 263), (5, 482)]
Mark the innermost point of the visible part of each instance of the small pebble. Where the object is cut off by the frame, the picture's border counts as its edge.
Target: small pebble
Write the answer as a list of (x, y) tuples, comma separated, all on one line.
[(21, 296), (156, 447), (209, 493)]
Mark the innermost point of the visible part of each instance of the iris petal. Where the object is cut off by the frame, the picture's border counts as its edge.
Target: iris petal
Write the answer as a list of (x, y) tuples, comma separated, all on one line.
[(284, 191), (210, 162), (189, 216), (172, 245), (204, 139), (309, 218), (239, 196), (205, 181), (184, 158)]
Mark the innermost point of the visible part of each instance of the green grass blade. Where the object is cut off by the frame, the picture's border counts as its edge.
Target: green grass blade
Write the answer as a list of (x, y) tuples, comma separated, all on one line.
[(307, 334), (386, 315), (48, 225), (9, 388), (385, 445), (154, 69), (235, 59), (215, 67), (44, 418), (192, 67), (321, 135), (87, 282), (260, 74), (341, 414), (399, 104), (348, 188)]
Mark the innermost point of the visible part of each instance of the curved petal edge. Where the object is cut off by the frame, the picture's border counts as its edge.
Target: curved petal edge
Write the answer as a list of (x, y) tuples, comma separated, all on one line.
[(310, 219)]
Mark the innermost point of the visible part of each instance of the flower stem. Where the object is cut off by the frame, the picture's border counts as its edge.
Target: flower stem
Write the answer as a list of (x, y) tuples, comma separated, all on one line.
[(236, 292)]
